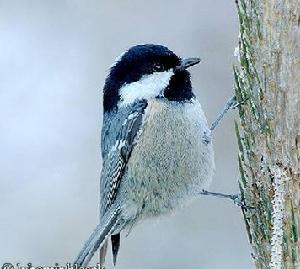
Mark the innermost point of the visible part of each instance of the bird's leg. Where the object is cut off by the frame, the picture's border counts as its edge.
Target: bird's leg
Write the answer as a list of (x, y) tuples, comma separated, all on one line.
[(236, 198), (231, 104)]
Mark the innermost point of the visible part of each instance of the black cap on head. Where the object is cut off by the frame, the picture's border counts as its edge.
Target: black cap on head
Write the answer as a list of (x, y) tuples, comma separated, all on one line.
[(142, 60)]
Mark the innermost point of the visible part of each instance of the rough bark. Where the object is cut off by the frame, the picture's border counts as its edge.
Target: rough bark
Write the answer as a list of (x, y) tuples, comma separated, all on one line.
[(267, 83)]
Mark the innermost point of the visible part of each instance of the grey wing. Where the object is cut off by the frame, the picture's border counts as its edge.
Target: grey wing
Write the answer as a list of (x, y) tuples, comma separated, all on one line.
[(118, 140)]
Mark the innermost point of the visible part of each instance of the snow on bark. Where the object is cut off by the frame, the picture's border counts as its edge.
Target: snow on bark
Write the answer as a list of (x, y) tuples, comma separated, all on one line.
[(277, 218)]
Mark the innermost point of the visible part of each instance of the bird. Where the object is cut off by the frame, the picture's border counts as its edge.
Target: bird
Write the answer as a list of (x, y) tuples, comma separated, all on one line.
[(154, 156)]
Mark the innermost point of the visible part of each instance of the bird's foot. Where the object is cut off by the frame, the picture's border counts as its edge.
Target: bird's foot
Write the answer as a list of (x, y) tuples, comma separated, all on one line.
[(235, 103)]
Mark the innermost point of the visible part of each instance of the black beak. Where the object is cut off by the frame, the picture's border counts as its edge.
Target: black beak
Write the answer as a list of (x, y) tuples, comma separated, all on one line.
[(186, 63)]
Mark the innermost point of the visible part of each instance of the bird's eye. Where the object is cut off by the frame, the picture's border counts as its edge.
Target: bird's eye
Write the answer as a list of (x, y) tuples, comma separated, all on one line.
[(158, 67)]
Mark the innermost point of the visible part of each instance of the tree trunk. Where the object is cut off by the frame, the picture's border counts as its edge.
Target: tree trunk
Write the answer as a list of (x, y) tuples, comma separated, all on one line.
[(267, 84)]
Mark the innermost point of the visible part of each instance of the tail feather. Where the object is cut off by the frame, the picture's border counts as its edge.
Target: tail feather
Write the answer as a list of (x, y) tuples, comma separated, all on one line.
[(102, 255), (97, 239), (115, 244)]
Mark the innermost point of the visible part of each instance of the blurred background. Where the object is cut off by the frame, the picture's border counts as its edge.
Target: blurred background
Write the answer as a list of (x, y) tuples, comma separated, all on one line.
[(54, 56)]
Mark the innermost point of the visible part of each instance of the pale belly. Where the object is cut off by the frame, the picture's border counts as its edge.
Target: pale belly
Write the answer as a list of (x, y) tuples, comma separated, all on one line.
[(170, 163)]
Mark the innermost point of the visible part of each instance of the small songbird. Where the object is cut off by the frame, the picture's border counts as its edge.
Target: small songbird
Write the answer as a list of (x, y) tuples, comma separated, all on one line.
[(154, 155)]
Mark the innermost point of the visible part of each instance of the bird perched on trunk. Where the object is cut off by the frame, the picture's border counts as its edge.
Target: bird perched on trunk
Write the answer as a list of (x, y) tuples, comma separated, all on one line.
[(154, 155)]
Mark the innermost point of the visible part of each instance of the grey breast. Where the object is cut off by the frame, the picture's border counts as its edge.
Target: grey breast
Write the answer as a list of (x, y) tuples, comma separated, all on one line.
[(170, 162)]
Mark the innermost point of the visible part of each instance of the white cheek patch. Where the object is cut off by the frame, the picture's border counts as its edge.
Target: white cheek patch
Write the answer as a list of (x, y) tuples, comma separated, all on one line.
[(149, 86)]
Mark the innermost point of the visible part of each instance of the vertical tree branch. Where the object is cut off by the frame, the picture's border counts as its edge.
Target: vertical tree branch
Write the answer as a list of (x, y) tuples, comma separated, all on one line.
[(267, 81)]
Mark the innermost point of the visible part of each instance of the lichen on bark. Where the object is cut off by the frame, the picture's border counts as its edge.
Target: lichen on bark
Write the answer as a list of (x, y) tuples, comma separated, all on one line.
[(267, 84)]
